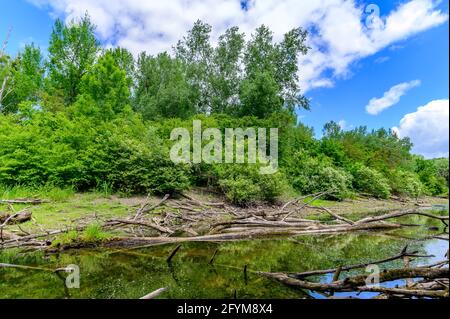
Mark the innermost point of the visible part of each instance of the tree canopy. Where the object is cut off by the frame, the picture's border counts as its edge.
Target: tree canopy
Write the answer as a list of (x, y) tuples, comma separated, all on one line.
[(85, 116)]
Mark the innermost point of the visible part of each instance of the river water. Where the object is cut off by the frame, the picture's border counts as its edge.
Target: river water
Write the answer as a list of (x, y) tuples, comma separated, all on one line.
[(134, 273)]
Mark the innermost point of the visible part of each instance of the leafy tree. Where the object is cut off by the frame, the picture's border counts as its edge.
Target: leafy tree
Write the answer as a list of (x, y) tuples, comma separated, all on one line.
[(278, 62), (227, 73), (27, 77), (195, 51), (72, 52), (104, 90), (442, 168), (125, 61), (259, 96), (162, 89), (430, 176)]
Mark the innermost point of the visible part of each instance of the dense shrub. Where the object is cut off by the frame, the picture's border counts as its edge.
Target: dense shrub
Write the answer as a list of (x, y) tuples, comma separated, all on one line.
[(370, 181), (311, 175), (406, 184), (52, 149), (244, 185)]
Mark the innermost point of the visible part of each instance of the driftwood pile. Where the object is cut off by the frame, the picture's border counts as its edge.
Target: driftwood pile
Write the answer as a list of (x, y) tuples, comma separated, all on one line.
[(432, 280), (186, 219)]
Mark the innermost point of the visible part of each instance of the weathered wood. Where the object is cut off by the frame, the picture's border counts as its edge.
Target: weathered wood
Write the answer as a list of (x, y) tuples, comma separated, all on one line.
[(357, 282), (211, 261), (338, 217), (154, 294), (17, 218), (357, 266), (113, 222), (173, 253), (400, 214), (407, 292), (145, 209), (304, 205), (24, 201)]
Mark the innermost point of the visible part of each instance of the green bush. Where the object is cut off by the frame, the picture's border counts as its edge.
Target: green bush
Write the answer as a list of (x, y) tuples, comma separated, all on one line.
[(406, 184), (52, 149), (311, 175), (244, 185), (370, 181)]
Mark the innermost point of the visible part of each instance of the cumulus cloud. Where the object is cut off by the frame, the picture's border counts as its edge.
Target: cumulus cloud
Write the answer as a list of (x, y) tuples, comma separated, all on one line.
[(390, 97), (428, 129), (339, 33)]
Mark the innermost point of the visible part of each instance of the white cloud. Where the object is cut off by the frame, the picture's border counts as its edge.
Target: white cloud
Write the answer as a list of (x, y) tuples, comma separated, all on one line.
[(428, 129), (342, 124), (390, 97), (340, 35)]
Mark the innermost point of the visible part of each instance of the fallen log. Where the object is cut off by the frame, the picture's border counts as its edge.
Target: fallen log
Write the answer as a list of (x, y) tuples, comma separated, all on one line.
[(357, 282), (24, 201), (407, 292), (248, 234), (338, 217), (114, 222), (154, 294), (18, 218), (305, 204), (357, 266), (145, 209), (23, 267), (400, 214)]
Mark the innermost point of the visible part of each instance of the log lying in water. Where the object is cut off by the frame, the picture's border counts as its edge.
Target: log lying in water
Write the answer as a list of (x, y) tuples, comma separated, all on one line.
[(248, 234), (434, 283), (401, 255)]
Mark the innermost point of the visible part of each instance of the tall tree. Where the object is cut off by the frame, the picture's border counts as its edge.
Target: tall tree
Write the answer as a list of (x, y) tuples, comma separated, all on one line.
[(276, 64), (27, 76), (195, 51), (162, 89), (125, 61), (72, 52), (104, 90), (227, 72)]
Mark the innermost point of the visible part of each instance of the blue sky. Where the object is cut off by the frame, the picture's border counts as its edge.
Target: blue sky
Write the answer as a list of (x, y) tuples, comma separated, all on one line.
[(349, 64)]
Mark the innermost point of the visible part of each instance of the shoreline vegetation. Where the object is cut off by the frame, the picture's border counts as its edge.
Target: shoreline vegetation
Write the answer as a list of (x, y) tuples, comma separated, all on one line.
[(85, 136)]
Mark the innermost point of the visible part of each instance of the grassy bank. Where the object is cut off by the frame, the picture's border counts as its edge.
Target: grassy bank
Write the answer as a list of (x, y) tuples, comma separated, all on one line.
[(65, 208)]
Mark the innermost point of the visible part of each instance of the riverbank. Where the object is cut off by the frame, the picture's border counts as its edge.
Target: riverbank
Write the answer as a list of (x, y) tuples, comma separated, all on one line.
[(74, 220)]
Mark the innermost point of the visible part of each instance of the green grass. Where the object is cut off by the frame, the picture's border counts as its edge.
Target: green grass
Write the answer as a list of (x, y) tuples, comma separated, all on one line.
[(94, 234), (49, 192), (65, 207)]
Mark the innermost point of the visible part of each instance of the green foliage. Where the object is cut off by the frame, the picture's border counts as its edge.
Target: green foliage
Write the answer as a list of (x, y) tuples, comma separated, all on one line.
[(442, 168), (94, 234), (72, 51), (85, 119), (405, 183), (259, 96), (51, 149), (104, 91), (311, 175), (370, 181), (433, 177), (244, 185), (26, 79), (162, 89), (46, 192)]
